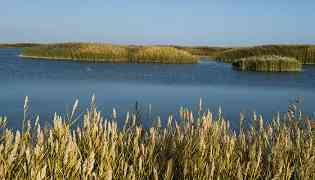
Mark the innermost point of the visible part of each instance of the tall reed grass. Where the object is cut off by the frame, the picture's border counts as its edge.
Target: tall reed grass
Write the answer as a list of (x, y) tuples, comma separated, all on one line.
[(269, 63), (204, 51), (92, 52), (162, 54), (198, 146), (79, 51), (303, 53)]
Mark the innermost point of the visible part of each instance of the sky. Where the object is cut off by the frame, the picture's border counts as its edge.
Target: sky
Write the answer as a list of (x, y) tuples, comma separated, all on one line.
[(181, 22)]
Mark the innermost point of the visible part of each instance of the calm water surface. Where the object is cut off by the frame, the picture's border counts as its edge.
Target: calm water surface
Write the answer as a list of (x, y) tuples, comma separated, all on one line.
[(53, 87)]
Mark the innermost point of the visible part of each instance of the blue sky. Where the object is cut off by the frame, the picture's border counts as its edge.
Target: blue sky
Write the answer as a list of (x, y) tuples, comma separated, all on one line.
[(183, 22)]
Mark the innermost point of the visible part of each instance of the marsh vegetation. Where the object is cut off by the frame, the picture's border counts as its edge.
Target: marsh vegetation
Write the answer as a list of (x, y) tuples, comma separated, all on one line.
[(305, 54), (198, 146), (204, 51), (95, 52), (270, 63), (92, 52)]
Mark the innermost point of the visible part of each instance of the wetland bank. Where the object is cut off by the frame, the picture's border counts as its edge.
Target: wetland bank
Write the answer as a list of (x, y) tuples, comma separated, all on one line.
[(205, 139), (279, 57), (157, 90), (164, 86)]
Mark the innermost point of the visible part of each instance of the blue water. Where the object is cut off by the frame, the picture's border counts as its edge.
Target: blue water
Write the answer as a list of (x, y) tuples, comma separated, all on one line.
[(53, 87)]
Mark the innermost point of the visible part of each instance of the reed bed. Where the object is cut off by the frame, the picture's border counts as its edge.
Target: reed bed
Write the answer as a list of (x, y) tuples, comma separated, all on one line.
[(97, 52), (92, 52), (78, 51), (204, 51), (162, 54), (198, 146), (268, 64), (305, 54)]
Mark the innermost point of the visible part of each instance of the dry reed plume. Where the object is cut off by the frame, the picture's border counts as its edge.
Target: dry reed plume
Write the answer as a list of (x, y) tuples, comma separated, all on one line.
[(199, 146)]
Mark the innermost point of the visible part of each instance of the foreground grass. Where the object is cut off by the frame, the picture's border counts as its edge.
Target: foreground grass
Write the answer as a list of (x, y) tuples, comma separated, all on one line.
[(92, 52), (269, 63), (305, 54), (196, 147)]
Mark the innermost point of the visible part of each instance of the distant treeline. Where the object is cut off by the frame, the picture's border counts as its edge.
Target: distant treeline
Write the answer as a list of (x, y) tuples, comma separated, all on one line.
[(18, 45), (94, 52), (305, 54)]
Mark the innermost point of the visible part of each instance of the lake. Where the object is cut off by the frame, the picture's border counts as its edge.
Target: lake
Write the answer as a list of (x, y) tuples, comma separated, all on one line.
[(53, 87)]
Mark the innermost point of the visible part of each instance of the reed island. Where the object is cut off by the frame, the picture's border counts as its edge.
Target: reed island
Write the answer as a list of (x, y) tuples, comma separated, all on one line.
[(272, 58), (109, 53), (270, 63), (305, 54)]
